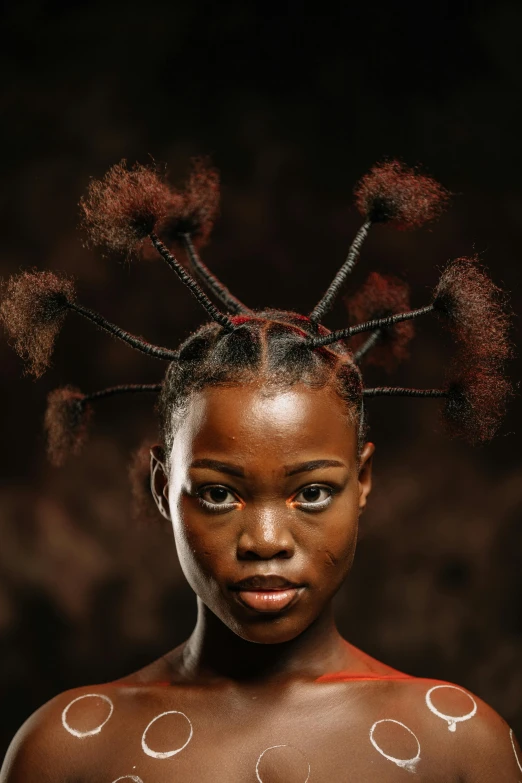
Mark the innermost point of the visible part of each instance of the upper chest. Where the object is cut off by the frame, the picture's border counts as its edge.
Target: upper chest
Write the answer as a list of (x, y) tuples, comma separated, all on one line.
[(331, 736)]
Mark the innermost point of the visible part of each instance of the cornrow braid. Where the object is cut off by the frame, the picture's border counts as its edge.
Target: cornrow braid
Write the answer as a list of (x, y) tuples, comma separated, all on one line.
[(337, 283), (400, 391), (379, 297), (135, 342), (369, 343), (375, 323), (129, 207), (69, 412), (214, 285), (191, 284), (390, 193), (129, 388), (33, 308), (272, 345)]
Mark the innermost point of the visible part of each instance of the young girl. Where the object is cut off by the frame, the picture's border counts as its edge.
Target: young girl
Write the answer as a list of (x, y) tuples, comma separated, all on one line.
[(263, 471)]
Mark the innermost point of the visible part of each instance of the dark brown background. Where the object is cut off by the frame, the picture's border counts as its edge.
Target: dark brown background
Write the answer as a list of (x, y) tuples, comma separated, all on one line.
[(294, 108)]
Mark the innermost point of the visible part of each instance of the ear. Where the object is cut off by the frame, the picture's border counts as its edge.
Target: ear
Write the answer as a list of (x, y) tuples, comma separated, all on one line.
[(159, 481), (365, 474)]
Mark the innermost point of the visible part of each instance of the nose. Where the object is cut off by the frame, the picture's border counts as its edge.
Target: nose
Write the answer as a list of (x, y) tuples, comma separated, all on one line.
[(265, 537)]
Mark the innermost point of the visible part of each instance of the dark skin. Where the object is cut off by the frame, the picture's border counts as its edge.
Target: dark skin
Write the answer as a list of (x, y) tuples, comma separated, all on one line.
[(268, 486)]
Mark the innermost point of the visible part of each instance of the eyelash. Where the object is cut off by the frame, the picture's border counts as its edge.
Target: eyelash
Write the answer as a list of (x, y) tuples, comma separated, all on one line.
[(317, 505), (216, 508)]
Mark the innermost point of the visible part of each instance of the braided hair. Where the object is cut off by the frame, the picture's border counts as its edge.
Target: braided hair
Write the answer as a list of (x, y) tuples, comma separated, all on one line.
[(135, 211), (272, 346)]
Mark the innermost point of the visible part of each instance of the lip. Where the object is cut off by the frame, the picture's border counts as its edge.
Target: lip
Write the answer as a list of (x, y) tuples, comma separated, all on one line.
[(262, 582), (270, 593), (269, 601)]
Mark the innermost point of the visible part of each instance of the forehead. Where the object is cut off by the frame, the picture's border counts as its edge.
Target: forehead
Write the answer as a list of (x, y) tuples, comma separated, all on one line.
[(256, 422)]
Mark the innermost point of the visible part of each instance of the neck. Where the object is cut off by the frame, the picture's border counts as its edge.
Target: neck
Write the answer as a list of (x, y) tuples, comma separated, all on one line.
[(213, 651)]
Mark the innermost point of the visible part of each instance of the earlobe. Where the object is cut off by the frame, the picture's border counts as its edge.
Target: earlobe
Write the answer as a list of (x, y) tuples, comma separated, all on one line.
[(159, 480), (365, 474)]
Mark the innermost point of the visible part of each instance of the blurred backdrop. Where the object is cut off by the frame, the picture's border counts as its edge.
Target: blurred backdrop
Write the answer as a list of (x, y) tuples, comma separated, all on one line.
[(293, 107)]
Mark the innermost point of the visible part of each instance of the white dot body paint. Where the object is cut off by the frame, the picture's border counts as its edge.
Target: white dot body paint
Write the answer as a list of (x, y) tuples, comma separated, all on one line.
[(168, 753), (258, 776), (452, 720), (512, 738), (408, 764), (91, 732)]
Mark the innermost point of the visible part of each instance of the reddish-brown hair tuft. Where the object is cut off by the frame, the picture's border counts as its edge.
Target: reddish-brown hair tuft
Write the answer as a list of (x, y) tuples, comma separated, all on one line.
[(379, 297), (66, 421), (394, 193), (194, 209), (477, 315), (476, 403), (476, 309), (32, 309), (123, 208)]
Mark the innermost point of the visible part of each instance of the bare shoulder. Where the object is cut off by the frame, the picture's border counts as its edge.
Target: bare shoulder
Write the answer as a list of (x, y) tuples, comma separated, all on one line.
[(488, 750), (439, 729), (481, 746), (43, 749)]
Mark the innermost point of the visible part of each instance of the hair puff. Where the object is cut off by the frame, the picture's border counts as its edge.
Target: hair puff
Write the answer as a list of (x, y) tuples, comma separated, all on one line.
[(476, 403), (66, 422), (122, 209), (379, 297), (32, 309), (194, 209), (392, 192), (476, 310)]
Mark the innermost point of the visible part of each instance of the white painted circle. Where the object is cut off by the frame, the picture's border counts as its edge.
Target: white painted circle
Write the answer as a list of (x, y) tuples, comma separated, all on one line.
[(452, 720), (408, 764), (511, 737), (260, 779), (91, 732), (168, 753), (134, 778)]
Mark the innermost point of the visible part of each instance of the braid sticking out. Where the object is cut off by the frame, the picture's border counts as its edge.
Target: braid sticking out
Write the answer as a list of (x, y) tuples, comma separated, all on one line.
[(131, 207), (380, 297), (214, 285), (115, 217), (390, 193), (271, 346), (189, 220), (68, 415), (33, 308)]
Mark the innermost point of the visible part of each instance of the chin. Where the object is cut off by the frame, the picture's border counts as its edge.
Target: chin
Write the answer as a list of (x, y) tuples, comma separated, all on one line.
[(276, 630)]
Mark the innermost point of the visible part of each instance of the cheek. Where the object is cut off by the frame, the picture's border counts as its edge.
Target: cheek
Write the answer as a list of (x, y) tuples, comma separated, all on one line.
[(339, 538), (201, 543)]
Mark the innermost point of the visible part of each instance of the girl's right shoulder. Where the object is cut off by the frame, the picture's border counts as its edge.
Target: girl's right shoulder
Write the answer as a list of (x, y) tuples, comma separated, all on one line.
[(46, 746)]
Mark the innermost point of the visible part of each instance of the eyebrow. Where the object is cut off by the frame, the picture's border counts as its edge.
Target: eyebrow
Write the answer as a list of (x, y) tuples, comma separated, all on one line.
[(290, 470), (315, 464), (220, 467)]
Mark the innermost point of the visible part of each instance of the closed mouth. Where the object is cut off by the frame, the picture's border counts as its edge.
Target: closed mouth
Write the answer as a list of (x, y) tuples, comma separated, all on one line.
[(267, 594), (260, 582)]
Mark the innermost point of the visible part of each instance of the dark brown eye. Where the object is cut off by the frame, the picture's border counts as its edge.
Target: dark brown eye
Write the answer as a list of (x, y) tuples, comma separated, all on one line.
[(311, 494), (218, 494), (316, 497)]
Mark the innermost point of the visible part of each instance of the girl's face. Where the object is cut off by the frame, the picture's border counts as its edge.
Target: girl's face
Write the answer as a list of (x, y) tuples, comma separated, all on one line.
[(264, 492)]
